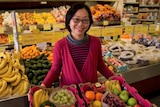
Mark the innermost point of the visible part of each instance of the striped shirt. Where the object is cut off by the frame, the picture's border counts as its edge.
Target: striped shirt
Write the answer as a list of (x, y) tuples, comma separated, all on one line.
[(79, 52)]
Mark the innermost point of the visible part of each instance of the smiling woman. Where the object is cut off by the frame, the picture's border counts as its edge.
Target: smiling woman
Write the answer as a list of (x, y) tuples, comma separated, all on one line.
[(78, 55)]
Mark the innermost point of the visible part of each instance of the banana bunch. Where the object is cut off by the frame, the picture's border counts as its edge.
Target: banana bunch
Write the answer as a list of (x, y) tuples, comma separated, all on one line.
[(113, 86), (12, 75), (5, 90), (39, 97)]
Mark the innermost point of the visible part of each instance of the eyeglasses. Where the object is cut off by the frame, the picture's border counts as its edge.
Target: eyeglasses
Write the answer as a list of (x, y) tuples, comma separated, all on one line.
[(77, 20)]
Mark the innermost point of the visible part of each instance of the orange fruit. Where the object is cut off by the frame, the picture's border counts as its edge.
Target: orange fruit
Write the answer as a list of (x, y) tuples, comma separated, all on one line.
[(98, 96), (90, 95)]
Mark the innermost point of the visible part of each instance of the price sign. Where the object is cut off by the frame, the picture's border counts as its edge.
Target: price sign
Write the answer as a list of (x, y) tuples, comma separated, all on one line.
[(29, 39), (144, 29), (48, 37), (10, 39), (108, 31), (46, 27), (129, 29), (138, 29), (32, 27), (95, 31), (42, 46), (39, 38), (1, 30), (58, 25), (118, 30), (152, 28), (58, 35), (105, 23)]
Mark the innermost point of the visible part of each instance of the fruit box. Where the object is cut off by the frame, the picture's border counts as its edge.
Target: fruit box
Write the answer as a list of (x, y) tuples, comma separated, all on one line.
[(133, 92), (31, 92)]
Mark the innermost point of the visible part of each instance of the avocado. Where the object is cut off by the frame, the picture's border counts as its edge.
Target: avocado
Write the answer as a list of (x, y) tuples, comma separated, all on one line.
[(47, 103)]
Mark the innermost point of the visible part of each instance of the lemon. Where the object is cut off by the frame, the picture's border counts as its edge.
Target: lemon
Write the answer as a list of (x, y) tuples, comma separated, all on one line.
[(111, 68), (97, 103)]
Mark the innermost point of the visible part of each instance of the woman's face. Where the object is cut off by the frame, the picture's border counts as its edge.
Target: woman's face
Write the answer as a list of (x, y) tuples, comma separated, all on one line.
[(79, 24)]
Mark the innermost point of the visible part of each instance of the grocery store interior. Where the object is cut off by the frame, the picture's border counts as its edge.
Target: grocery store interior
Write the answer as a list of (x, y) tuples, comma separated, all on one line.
[(128, 29)]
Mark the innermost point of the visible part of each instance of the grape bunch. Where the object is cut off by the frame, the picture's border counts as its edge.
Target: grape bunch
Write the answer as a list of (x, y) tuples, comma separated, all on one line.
[(113, 100), (63, 97)]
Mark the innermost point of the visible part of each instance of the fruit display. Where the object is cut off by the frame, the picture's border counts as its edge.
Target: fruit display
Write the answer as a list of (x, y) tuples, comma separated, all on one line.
[(29, 52), (104, 12), (13, 81), (134, 54), (3, 39), (113, 92), (119, 65), (37, 68)]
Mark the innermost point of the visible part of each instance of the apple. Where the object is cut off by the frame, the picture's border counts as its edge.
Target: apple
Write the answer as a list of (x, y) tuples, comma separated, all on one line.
[(137, 105), (116, 91), (124, 95), (132, 101)]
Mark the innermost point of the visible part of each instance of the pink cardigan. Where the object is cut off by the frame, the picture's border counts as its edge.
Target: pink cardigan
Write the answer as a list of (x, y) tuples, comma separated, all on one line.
[(63, 61)]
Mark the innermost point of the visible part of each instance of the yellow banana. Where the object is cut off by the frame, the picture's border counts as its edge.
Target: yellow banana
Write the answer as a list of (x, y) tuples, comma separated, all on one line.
[(17, 89), (118, 85), (8, 73), (3, 70), (22, 69), (36, 98), (1, 83), (17, 55), (16, 64), (5, 93), (24, 77), (107, 83), (4, 61), (3, 87), (46, 95), (17, 81), (25, 87), (11, 79), (8, 56)]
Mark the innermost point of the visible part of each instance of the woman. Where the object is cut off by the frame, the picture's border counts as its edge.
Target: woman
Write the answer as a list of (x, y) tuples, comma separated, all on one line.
[(78, 55)]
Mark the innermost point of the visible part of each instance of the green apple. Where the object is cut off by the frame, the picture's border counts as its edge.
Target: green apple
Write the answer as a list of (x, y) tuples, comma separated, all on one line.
[(132, 101), (116, 91), (124, 95)]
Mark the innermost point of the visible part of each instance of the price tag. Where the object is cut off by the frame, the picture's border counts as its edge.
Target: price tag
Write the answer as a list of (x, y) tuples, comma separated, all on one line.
[(95, 31), (118, 30), (46, 27), (1, 30), (42, 46), (48, 37), (29, 39), (2, 49), (152, 28), (129, 29), (10, 39), (32, 27), (58, 25), (108, 31), (105, 23), (138, 29), (144, 29)]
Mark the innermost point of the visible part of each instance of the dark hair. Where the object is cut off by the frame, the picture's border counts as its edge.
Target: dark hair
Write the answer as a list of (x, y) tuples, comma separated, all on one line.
[(71, 12)]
